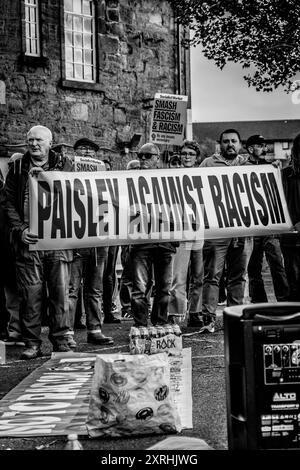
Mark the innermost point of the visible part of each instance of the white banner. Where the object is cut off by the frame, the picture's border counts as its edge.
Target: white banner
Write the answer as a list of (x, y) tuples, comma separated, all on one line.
[(69, 210), (168, 119)]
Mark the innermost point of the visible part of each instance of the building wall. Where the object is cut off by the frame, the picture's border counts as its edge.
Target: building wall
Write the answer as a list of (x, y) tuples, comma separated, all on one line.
[(138, 56)]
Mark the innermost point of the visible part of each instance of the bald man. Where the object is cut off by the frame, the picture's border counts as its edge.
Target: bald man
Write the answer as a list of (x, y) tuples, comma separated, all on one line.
[(33, 267)]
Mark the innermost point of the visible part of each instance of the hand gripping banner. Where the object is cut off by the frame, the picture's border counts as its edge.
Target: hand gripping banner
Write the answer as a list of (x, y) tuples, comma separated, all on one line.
[(73, 210)]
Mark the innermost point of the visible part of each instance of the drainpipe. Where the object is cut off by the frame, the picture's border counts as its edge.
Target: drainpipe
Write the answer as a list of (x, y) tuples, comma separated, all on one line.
[(187, 89), (183, 86), (179, 57)]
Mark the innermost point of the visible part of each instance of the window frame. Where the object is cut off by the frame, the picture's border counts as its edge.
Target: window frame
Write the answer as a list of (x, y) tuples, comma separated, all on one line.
[(36, 6), (73, 83), (25, 58)]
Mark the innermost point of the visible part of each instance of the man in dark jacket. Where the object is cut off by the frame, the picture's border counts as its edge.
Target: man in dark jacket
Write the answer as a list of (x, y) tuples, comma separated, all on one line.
[(4, 315), (269, 245), (290, 242), (13, 336), (148, 259), (33, 267)]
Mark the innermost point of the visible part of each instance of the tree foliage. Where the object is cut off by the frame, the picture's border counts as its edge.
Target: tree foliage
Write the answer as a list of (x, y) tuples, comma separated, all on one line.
[(261, 34)]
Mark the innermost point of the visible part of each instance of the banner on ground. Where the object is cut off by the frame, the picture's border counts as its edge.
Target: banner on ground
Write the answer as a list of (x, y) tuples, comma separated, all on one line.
[(69, 210), (168, 120), (54, 399)]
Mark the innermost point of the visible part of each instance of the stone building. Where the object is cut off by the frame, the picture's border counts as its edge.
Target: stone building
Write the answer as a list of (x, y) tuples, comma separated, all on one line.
[(87, 68)]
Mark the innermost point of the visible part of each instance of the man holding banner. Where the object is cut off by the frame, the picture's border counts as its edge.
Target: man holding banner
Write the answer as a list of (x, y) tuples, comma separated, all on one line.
[(33, 267), (151, 258), (268, 245), (88, 264), (231, 250)]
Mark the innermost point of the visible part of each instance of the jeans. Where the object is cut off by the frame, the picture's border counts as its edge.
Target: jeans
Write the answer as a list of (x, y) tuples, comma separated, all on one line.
[(88, 267), (291, 255), (109, 279), (180, 302), (32, 268), (126, 280), (4, 315), (215, 253), (271, 247), (145, 263), (13, 305)]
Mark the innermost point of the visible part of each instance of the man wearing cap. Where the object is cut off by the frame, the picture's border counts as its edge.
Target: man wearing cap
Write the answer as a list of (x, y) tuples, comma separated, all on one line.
[(151, 259), (86, 147), (269, 245), (257, 149), (87, 268), (126, 276), (110, 280), (32, 266)]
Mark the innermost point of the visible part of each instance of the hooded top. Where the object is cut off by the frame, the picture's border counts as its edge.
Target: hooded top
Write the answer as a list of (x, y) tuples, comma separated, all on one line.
[(218, 160)]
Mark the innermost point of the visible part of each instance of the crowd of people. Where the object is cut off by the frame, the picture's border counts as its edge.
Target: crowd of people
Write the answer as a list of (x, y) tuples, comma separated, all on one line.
[(159, 281)]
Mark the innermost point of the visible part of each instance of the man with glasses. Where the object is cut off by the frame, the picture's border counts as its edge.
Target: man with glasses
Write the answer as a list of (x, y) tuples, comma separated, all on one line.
[(270, 245), (151, 260), (87, 269), (188, 263), (110, 278), (86, 147)]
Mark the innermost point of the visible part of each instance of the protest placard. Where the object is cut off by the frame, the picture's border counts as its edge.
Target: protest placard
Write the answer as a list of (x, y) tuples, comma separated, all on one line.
[(88, 164), (168, 121)]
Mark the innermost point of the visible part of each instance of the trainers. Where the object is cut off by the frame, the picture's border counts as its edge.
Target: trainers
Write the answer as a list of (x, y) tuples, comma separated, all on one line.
[(127, 316), (79, 325), (71, 342), (11, 341), (210, 328), (172, 319), (61, 347), (111, 319), (209, 325), (31, 352), (114, 308), (195, 320), (99, 338)]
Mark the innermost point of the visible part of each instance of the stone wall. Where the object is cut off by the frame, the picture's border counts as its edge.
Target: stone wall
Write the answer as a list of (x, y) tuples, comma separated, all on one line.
[(137, 57)]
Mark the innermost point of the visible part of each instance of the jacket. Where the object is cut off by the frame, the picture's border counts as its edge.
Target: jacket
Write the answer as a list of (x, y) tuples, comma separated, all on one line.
[(219, 160), (15, 186), (291, 187)]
